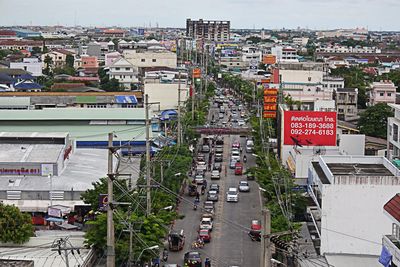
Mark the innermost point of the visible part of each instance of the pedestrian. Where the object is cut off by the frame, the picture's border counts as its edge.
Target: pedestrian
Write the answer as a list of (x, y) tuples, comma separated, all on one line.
[(197, 196), (207, 263)]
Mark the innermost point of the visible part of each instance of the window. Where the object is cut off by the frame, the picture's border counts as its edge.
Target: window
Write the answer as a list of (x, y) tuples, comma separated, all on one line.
[(127, 68), (25, 67), (395, 132), (154, 60), (389, 94), (143, 60), (381, 94), (117, 68)]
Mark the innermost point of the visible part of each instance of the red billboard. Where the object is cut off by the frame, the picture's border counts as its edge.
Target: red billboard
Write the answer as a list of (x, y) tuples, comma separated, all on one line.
[(309, 128)]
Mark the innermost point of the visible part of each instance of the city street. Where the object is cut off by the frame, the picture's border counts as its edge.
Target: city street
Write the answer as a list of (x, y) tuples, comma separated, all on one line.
[(230, 244)]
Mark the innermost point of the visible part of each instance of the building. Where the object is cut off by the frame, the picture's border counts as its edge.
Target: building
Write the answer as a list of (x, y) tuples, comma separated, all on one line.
[(252, 55), (391, 239), (24, 33), (58, 58), (382, 92), (163, 87), (31, 65), (152, 58), (40, 100), (109, 58), (210, 30), (89, 127), (393, 139), (233, 63), (285, 54), (124, 72), (349, 193), (346, 103), (20, 45)]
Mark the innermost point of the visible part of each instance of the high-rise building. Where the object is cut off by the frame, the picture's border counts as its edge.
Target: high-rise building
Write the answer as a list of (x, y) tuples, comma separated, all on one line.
[(211, 30)]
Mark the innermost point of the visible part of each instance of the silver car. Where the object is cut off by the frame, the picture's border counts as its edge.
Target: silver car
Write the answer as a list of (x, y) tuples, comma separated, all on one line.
[(244, 186)]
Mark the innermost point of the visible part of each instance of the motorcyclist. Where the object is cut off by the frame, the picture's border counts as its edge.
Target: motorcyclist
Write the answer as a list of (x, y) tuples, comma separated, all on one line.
[(195, 204), (207, 263), (203, 189), (244, 158)]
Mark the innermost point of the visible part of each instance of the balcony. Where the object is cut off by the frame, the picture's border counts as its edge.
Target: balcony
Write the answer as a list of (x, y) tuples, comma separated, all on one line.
[(393, 245)]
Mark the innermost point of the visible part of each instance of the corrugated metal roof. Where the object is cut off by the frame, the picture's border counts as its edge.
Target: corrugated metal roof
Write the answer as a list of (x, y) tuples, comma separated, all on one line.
[(14, 101), (86, 99), (64, 114), (130, 99), (393, 207)]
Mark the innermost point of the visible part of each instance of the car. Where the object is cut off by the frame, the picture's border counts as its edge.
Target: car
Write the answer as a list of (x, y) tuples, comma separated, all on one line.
[(232, 195), (209, 206), (219, 149), (232, 163), (214, 187), (192, 259), (235, 154), (221, 115), (218, 158), (200, 157), (171, 265), (199, 179), (205, 235), (236, 144), (238, 168), (201, 166), (205, 149), (244, 186), (219, 140), (250, 176), (217, 166), (212, 196), (215, 174), (206, 223), (241, 122)]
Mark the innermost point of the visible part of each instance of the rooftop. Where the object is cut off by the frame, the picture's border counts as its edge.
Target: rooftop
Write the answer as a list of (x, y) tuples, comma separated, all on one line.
[(393, 207), (358, 169), (78, 114), (17, 153)]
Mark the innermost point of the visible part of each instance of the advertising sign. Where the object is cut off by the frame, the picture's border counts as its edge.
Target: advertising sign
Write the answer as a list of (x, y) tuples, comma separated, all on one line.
[(309, 128), (270, 102), (196, 73)]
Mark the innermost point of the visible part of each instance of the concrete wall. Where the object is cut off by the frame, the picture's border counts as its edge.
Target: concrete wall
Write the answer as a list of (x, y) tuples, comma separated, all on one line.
[(151, 59), (352, 144), (166, 94), (353, 214), (301, 76)]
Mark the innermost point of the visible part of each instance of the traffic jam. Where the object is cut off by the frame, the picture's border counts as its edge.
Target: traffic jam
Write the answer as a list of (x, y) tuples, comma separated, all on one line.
[(209, 167)]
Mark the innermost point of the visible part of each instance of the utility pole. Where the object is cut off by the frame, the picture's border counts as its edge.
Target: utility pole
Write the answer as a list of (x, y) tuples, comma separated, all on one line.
[(179, 111), (265, 259), (206, 66), (148, 184), (60, 245), (110, 221), (161, 171), (193, 94)]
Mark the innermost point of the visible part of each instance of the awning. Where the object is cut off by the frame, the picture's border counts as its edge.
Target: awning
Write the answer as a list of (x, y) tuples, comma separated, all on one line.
[(53, 219), (126, 99), (68, 226), (167, 114)]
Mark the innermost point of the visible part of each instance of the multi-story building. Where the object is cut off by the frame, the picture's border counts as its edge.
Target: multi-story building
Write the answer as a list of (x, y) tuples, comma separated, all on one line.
[(32, 65), (124, 72), (346, 103), (382, 92), (234, 63), (211, 30), (151, 58), (20, 44), (393, 139), (285, 54), (349, 193), (251, 55), (58, 57)]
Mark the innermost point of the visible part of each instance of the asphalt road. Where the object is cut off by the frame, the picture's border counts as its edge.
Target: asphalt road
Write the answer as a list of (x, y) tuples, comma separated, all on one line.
[(230, 244)]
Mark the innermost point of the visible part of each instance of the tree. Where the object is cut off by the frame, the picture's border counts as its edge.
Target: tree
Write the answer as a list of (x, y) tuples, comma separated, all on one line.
[(373, 121), (70, 61), (36, 50), (15, 227), (112, 85), (48, 61)]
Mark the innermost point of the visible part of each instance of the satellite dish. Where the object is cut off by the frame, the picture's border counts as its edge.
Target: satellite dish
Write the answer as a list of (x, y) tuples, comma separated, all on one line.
[(319, 150)]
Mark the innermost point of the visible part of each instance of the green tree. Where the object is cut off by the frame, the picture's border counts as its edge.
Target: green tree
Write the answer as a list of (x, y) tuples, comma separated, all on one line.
[(48, 61), (66, 70), (36, 50), (70, 61), (112, 85), (373, 121), (15, 227)]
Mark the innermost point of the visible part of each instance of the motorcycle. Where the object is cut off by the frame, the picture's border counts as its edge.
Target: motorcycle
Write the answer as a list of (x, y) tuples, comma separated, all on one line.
[(165, 255), (244, 159)]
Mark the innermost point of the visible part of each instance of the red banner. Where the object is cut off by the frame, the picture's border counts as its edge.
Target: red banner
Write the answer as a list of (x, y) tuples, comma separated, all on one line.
[(309, 128), (269, 114)]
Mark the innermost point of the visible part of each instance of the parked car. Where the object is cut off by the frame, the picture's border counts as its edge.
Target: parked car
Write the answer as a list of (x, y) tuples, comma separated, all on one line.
[(192, 259), (205, 235), (244, 186), (212, 196), (232, 195), (215, 174)]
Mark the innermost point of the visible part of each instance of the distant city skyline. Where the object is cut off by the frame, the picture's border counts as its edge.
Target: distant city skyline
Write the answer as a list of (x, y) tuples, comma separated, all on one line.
[(271, 14)]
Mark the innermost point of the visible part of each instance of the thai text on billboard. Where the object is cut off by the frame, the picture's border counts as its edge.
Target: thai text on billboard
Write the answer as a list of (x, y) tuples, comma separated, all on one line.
[(309, 128)]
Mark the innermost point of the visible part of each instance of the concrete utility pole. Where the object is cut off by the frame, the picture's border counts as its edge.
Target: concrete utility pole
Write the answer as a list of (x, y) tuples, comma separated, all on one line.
[(265, 259), (193, 94), (179, 111), (110, 221), (206, 67), (148, 184)]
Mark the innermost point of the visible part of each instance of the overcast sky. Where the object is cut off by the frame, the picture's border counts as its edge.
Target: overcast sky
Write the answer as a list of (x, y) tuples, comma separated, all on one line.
[(269, 14)]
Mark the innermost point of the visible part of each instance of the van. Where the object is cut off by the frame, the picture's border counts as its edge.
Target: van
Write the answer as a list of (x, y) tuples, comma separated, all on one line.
[(249, 146)]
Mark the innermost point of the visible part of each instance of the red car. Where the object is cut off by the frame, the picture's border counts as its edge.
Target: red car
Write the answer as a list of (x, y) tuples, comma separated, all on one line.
[(205, 234), (238, 168)]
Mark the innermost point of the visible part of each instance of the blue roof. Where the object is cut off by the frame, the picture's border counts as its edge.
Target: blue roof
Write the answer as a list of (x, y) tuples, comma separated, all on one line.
[(169, 113), (26, 77), (27, 86), (129, 99)]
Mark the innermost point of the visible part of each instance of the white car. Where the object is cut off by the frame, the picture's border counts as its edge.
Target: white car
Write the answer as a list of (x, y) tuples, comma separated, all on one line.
[(199, 179), (232, 195), (241, 122), (206, 223), (235, 155), (244, 186), (215, 174)]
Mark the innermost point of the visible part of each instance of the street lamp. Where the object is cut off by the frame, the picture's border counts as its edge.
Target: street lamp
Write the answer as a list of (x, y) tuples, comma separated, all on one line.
[(51, 189), (149, 248)]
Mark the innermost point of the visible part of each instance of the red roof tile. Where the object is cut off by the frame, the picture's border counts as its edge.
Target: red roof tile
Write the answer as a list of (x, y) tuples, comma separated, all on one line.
[(393, 207)]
